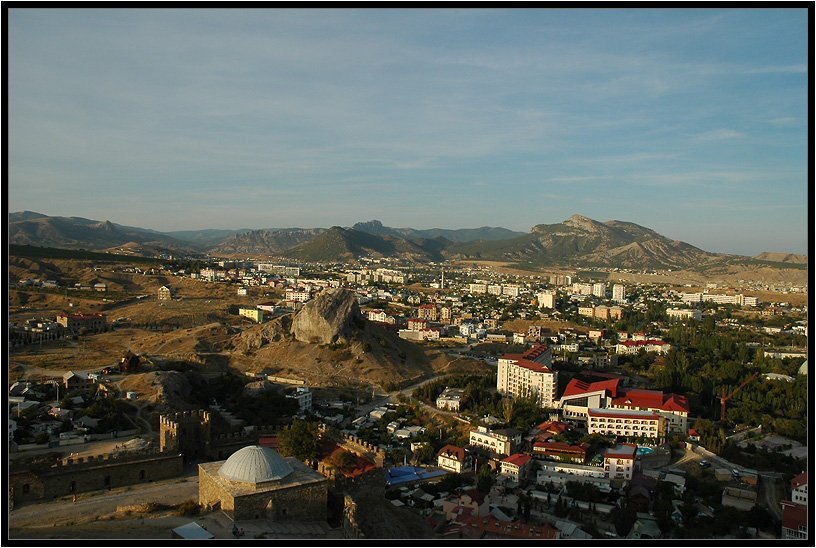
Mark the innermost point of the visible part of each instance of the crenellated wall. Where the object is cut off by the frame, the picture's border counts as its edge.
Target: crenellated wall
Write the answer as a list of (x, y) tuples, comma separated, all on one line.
[(80, 475)]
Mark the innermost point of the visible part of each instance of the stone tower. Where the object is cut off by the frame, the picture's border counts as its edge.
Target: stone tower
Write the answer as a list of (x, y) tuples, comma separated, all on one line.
[(187, 432)]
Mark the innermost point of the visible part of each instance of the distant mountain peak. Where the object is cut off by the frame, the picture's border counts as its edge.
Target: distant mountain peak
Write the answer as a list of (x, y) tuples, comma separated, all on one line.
[(584, 223)]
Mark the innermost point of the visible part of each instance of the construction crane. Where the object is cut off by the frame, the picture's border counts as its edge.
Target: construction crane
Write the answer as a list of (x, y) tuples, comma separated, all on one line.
[(724, 397)]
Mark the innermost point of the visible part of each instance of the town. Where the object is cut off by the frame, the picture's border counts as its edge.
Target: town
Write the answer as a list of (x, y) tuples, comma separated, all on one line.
[(570, 405)]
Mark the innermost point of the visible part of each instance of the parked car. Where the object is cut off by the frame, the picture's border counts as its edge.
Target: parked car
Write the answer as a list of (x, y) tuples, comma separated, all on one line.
[(705, 463), (735, 472)]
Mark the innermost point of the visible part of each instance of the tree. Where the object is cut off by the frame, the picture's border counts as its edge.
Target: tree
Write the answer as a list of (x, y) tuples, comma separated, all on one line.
[(344, 461), (485, 479), (300, 440)]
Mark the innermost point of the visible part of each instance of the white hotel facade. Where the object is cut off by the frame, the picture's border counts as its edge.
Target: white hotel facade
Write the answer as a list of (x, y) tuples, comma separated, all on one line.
[(529, 374)]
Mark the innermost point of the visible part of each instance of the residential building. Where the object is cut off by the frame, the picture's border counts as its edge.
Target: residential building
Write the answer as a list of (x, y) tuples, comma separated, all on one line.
[(546, 299), (619, 293), (510, 290), (92, 321), (794, 521), (565, 452), (582, 288), (251, 312), (477, 288), (454, 459), (651, 345), (304, 398), (416, 324), (428, 312), (516, 467), (502, 442), (799, 489), (684, 314), (599, 290), (298, 295), (619, 461), (529, 374), (451, 399)]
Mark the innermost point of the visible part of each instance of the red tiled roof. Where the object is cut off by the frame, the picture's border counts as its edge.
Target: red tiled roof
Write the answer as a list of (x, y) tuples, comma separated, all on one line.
[(561, 447), (451, 451), (518, 459), (793, 517), (535, 351), (799, 480), (642, 343), (653, 399), (556, 427), (576, 387)]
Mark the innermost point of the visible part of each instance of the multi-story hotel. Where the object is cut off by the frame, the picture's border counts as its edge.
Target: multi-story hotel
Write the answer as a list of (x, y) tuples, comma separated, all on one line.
[(626, 423), (580, 397), (529, 375)]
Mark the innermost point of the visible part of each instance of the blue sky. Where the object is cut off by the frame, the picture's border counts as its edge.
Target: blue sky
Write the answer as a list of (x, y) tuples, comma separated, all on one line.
[(689, 122)]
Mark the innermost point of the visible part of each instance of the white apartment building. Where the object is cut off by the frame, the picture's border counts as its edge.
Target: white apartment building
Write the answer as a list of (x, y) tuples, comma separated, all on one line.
[(626, 423), (304, 398), (619, 461), (529, 374), (451, 399), (581, 288), (510, 290), (599, 289), (297, 295), (516, 466), (546, 299), (494, 289), (684, 314), (633, 346), (477, 288), (619, 293)]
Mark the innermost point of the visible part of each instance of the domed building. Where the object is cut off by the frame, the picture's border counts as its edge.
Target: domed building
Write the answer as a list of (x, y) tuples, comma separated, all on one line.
[(258, 483)]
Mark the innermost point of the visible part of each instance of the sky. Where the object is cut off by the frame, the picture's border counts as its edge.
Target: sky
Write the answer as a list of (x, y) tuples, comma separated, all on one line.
[(691, 122)]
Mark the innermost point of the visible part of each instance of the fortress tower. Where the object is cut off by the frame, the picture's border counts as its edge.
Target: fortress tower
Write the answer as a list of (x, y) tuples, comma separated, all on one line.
[(187, 432)]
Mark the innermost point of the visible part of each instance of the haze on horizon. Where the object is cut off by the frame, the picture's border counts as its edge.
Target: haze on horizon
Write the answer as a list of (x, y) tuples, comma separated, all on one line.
[(691, 122)]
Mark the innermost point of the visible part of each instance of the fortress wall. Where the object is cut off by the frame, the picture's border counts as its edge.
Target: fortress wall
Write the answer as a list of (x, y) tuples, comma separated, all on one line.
[(80, 475)]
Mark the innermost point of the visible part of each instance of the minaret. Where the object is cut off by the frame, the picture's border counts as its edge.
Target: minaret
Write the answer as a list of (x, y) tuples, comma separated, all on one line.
[(442, 285)]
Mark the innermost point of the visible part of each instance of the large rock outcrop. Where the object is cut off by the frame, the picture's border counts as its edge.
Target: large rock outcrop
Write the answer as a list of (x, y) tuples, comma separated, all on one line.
[(327, 318)]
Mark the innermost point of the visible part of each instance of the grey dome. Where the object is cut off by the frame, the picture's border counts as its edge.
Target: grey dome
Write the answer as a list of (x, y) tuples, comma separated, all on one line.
[(255, 464)]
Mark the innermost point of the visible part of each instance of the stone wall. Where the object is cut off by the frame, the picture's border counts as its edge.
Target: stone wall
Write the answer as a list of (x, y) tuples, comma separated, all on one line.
[(355, 444), (81, 475)]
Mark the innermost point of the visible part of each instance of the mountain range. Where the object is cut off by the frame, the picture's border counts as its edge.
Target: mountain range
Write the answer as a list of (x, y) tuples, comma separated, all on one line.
[(577, 241)]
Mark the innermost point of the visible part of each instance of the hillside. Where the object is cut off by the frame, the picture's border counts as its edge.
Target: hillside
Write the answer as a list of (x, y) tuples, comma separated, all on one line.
[(583, 242), (577, 242)]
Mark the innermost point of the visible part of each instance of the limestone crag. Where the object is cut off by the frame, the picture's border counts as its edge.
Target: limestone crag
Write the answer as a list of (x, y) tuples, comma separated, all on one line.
[(327, 318)]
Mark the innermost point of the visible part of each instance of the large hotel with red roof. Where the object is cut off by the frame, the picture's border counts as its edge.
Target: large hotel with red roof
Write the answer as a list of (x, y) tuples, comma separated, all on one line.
[(603, 406)]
